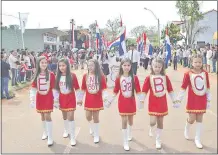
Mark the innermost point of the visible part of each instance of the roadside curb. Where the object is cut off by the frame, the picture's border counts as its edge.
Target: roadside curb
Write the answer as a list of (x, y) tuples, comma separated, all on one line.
[(19, 88)]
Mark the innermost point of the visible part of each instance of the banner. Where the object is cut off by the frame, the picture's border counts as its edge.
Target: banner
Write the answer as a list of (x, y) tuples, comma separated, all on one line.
[(114, 67), (23, 20)]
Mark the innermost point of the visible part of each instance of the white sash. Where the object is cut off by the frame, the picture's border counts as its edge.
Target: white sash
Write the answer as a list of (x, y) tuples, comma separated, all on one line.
[(43, 86), (198, 83), (158, 85), (126, 86), (62, 85), (91, 85)]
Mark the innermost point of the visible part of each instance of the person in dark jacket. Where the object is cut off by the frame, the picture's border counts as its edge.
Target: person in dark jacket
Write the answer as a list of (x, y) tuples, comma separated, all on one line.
[(4, 77)]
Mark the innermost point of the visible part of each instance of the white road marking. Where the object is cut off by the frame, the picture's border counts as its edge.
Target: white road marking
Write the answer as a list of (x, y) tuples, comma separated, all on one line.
[(69, 147)]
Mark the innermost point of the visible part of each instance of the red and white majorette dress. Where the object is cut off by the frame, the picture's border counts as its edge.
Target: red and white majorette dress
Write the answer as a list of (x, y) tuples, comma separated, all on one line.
[(198, 91), (94, 96), (41, 93), (67, 97), (126, 100), (158, 86)]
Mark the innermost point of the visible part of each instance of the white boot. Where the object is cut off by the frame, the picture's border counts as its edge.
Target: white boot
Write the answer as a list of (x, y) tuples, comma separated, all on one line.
[(72, 133), (198, 135), (125, 140), (49, 128), (151, 131), (66, 127), (44, 135), (129, 132), (186, 131), (158, 141), (96, 132), (90, 128)]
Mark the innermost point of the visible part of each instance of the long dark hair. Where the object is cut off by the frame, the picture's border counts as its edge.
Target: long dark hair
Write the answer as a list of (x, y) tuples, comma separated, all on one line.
[(98, 72), (69, 78), (130, 72), (158, 60), (102, 55), (38, 70)]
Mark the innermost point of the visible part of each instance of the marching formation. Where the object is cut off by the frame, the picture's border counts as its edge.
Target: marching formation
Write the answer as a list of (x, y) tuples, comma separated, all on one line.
[(64, 92)]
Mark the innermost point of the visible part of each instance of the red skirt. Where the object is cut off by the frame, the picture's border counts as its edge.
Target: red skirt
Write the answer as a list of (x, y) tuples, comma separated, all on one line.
[(93, 102), (126, 106), (196, 104), (157, 106), (44, 103), (67, 102)]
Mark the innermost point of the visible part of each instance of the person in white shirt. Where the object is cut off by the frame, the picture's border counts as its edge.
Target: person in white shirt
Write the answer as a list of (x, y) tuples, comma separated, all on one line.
[(209, 59), (13, 64), (134, 56)]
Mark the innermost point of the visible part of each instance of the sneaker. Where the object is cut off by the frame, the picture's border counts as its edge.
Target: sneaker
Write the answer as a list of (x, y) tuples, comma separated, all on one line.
[(10, 97), (3, 97)]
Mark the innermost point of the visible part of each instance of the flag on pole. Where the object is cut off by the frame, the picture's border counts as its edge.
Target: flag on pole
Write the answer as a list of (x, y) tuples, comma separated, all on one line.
[(122, 45), (23, 21), (168, 48), (97, 35)]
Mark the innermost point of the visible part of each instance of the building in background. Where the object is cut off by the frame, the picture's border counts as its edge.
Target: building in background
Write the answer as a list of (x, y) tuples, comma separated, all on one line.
[(209, 22), (34, 39)]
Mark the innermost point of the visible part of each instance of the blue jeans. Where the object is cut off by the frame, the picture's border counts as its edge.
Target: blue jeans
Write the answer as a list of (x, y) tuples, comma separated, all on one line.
[(14, 76), (214, 61), (4, 84), (185, 62)]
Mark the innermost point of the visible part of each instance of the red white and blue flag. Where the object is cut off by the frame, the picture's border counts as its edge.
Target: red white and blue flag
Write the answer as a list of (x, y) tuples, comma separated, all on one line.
[(122, 45), (168, 47)]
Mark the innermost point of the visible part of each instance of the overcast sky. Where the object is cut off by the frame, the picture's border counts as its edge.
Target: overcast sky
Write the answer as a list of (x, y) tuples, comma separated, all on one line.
[(48, 14)]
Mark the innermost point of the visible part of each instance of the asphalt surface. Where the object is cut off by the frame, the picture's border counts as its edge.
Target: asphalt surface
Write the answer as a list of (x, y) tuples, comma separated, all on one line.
[(22, 130)]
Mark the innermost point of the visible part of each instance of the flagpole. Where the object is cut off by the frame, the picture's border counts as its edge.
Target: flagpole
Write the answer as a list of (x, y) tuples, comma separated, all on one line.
[(21, 31)]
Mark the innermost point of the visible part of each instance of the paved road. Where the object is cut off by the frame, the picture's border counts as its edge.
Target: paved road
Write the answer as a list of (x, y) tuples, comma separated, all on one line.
[(21, 127)]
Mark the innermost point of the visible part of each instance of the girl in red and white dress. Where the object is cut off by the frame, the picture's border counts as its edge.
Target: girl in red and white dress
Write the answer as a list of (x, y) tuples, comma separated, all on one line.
[(158, 83), (199, 96), (41, 96), (94, 85), (68, 93), (127, 84)]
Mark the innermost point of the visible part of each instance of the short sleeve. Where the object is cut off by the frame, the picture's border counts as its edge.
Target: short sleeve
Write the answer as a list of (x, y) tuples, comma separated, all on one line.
[(34, 84), (52, 76), (75, 82), (117, 85), (83, 87), (103, 83), (185, 81), (137, 84), (146, 85), (169, 85)]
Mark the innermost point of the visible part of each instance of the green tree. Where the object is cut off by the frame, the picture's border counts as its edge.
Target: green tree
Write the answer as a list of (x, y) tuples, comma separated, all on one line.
[(113, 26), (130, 41), (151, 33), (138, 30), (190, 13), (173, 32)]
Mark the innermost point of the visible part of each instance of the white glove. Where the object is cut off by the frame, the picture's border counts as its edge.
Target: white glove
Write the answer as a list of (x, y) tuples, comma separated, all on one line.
[(107, 104), (32, 105), (176, 105), (208, 105), (56, 105), (140, 105)]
